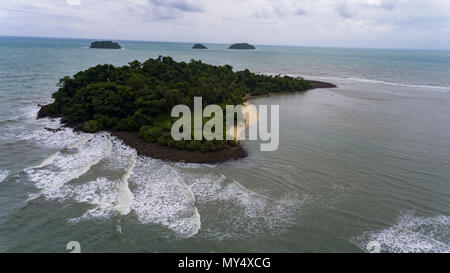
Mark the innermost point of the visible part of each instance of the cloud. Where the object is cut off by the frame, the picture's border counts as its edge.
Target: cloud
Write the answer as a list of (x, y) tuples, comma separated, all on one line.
[(181, 5), (367, 23), (162, 10), (344, 9), (282, 9), (385, 4), (74, 2), (300, 11)]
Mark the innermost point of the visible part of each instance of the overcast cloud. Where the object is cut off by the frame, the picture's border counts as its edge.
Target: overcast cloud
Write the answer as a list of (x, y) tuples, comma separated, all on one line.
[(352, 23)]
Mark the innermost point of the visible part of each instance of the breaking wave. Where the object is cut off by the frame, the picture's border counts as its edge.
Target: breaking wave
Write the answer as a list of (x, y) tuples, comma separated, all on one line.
[(412, 234), (56, 176), (162, 197), (3, 175), (68, 165), (236, 211)]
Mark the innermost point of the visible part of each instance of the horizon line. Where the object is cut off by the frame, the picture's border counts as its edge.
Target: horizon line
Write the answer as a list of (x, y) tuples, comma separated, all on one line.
[(215, 43)]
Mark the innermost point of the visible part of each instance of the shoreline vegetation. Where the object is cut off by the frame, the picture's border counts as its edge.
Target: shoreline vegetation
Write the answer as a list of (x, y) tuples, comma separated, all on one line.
[(242, 46), (199, 46), (133, 103)]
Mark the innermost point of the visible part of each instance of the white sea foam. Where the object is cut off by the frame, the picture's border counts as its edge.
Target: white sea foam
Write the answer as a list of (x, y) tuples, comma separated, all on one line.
[(100, 193), (260, 213), (49, 160), (56, 140), (67, 166), (28, 113), (124, 194), (436, 88), (76, 142), (34, 131), (3, 175), (239, 210), (412, 234), (444, 89), (106, 195), (80, 141), (162, 197)]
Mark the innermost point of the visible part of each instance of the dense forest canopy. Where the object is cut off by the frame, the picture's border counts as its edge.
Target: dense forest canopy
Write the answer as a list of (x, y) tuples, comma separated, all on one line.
[(199, 46), (105, 44), (242, 46), (139, 97)]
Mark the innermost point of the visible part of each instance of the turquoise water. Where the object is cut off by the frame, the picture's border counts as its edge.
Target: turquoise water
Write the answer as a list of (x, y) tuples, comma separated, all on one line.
[(369, 160)]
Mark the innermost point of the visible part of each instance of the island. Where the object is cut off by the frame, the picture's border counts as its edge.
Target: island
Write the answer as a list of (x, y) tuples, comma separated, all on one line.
[(105, 45), (134, 103), (199, 46), (242, 46)]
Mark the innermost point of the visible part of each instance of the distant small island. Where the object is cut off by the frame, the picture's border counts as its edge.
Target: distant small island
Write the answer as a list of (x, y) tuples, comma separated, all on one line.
[(242, 46), (105, 45), (199, 46)]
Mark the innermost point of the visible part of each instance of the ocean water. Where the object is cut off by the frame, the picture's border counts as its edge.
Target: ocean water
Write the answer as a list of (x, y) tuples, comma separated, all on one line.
[(367, 161)]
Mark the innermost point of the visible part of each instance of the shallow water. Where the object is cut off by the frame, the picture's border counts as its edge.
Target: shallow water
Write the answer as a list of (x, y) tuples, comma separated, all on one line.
[(367, 161)]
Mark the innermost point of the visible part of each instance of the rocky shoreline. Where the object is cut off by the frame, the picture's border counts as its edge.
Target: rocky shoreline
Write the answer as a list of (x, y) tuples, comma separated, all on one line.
[(157, 151), (320, 84)]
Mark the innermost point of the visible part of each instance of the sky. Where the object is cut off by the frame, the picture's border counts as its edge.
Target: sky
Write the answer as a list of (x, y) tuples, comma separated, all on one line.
[(339, 23)]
